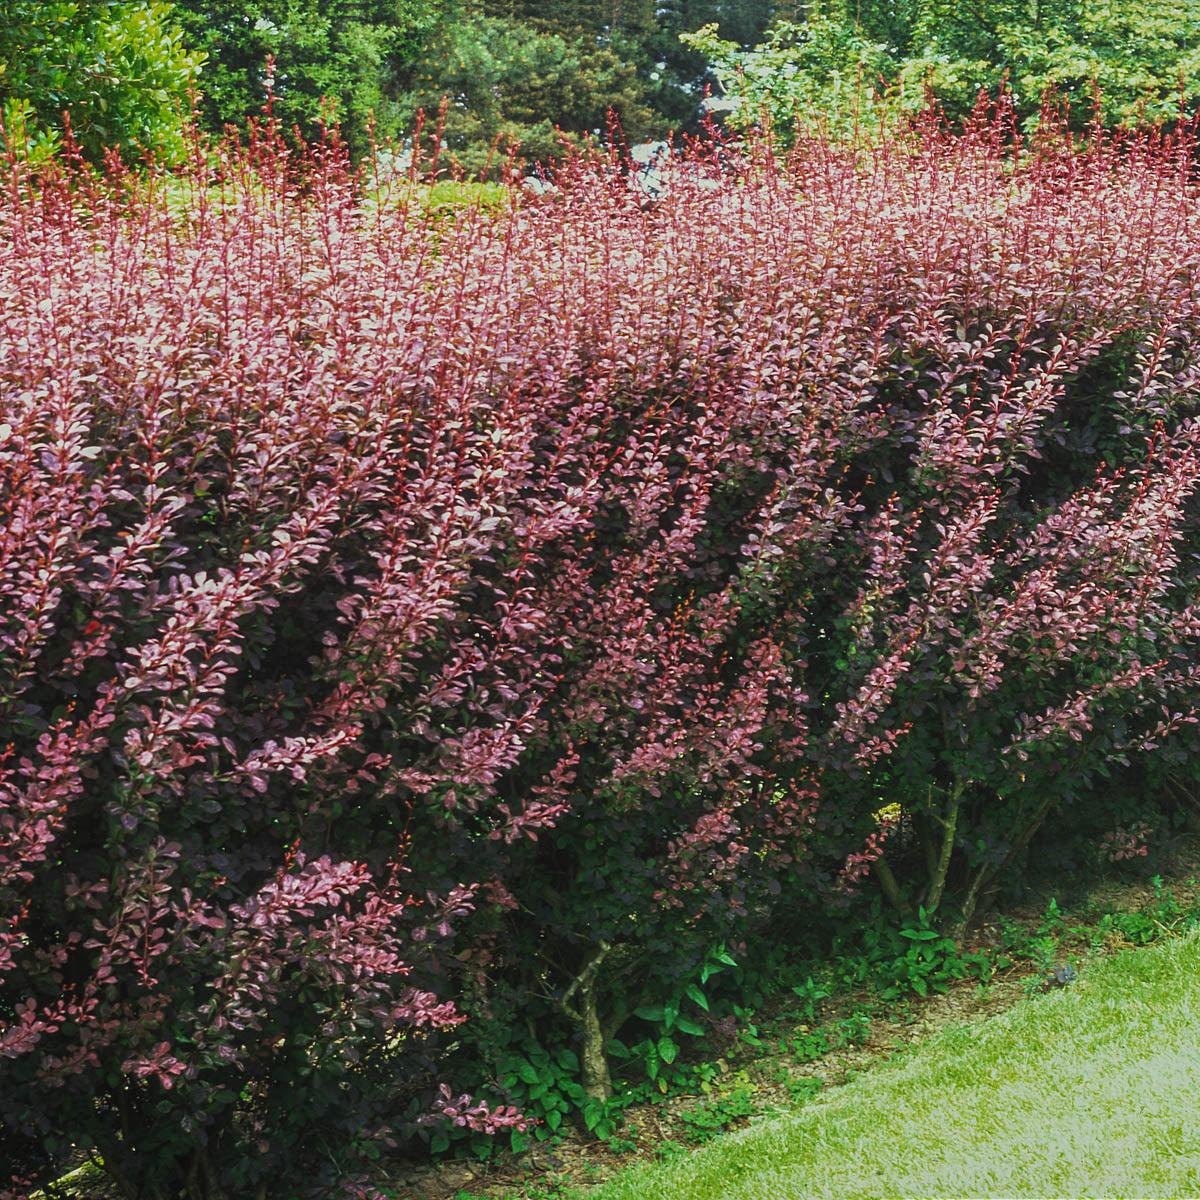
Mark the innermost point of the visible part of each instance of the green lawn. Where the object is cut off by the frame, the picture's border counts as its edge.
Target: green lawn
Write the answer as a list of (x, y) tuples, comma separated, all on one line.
[(1092, 1090)]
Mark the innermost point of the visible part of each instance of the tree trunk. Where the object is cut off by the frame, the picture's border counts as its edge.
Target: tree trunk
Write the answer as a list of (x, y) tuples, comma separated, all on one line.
[(923, 825), (888, 885), (958, 930), (596, 1081), (937, 883)]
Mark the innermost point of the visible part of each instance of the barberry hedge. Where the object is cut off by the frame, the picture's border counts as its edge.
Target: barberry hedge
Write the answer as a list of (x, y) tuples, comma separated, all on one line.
[(429, 635)]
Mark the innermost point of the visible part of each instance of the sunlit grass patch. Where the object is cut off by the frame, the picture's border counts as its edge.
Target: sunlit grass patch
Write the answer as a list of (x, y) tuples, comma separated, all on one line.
[(1087, 1091)]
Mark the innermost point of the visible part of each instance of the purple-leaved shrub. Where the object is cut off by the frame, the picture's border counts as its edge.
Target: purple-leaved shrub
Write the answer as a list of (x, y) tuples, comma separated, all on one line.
[(414, 625)]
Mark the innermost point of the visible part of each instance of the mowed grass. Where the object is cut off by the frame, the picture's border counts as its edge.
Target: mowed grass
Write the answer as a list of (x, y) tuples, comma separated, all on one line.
[(1093, 1090)]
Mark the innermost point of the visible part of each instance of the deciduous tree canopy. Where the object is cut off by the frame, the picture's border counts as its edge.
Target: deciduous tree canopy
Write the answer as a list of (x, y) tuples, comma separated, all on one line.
[(1136, 60), (119, 66), (332, 57)]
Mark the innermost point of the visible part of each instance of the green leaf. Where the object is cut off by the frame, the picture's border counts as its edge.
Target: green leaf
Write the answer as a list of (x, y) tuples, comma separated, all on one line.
[(686, 1026), (695, 994), (650, 1012), (667, 1050)]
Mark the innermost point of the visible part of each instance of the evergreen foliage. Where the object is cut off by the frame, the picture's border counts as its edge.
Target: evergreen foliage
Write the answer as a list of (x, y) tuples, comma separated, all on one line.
[(507, 85), (519, 72)]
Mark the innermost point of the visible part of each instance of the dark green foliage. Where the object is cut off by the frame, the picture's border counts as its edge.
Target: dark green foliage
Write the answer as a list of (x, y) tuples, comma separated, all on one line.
[(344, 52), (519, 72), (510, 86)]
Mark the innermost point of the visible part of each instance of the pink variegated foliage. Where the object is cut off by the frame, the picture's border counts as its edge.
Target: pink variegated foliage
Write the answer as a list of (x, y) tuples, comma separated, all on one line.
[(414, 628)]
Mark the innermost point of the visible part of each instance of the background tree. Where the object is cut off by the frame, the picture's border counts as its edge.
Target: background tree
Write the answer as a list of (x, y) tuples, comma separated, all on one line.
[(1140, 60), (682, 72), (516, 69), (818, 72), (343, 51), (119, 66), (507, 83)]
